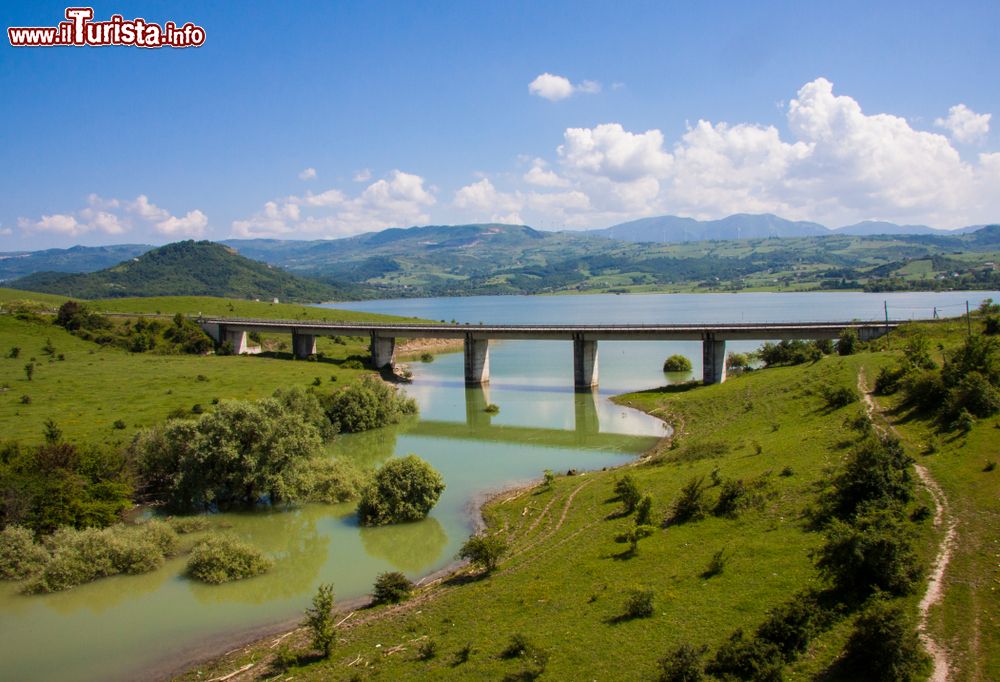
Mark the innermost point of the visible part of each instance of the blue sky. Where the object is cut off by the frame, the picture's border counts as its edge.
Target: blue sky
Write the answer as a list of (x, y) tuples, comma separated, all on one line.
[(557, 114)]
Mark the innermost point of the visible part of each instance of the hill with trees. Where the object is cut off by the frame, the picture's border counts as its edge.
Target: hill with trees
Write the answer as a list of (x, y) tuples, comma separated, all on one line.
[(185, 268)]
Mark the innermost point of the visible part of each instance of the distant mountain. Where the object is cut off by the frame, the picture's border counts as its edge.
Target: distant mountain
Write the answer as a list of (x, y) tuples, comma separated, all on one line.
[(873, 227), (76, 259), (186, 268), (673, 229)]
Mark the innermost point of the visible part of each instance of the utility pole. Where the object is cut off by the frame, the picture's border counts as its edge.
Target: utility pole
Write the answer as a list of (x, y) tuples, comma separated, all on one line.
[(968, 318)]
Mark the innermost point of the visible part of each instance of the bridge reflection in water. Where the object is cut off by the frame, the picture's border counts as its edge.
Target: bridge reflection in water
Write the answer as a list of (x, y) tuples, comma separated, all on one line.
[(479, 426)]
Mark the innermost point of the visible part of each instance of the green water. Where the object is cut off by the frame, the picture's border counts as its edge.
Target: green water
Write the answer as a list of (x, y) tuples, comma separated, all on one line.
[(128, 627)]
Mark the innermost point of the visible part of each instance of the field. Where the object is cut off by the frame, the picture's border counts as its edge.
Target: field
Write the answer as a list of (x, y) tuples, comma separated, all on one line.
[(563, 585)]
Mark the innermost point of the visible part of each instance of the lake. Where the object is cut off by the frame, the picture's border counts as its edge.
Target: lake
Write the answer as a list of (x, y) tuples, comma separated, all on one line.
[(113, 628)]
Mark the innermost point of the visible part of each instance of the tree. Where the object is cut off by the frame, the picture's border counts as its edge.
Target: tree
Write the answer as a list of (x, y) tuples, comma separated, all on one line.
[(628, 492), (391, 588), (847, 342), (29, 370), (636, 533), (403, 489), (53, 434), (319, 620), (484, 551), (885, 645), (368, 404), (683, 664)]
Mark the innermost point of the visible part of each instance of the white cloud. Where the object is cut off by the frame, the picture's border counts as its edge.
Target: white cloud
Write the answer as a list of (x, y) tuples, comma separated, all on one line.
[(363, 175), (611, 151), (6, 232), (555, 88), (539, 176), (965, 125), (398, 200), (307, 174), (191, 225), (112, 216)]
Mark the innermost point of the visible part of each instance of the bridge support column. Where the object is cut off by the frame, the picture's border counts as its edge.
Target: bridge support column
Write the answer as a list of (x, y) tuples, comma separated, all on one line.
[(303, 345), (584, 363), (238, 340), (383, 350), (713, 359), (477, 361)]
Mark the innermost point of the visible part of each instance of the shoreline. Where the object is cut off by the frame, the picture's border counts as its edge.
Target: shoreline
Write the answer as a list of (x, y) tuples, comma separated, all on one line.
[(218, 647)]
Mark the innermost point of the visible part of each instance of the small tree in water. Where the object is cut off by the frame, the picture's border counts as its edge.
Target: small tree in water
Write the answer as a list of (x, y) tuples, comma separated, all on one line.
[(319, 619)]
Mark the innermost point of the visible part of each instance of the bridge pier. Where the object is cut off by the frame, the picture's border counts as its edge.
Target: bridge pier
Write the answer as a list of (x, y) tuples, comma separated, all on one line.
[(303, 345), (237, 339), (383, 349), (477, 361), (713, 359), (584, 363)]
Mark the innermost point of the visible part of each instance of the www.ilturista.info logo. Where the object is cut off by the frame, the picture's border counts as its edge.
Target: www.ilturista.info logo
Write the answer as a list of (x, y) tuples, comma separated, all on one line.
[(79, 30)]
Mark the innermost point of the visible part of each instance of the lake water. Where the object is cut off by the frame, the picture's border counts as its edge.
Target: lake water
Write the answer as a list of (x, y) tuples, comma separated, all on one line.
[(112, 629)]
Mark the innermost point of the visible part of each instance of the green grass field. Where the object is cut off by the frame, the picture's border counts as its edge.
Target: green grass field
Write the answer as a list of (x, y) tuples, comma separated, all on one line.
[(564, 584), (94, 387)]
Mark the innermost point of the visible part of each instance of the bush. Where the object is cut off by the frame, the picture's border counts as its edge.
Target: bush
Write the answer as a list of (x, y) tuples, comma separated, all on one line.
[(20, 557), (792, 625), (717, 564), (319, 620), (738, 362), (847, 342), (877, 471), (885, 645), (535, 657), (683, 664), (188, 524), (874, 553), (403, 489), (838, 397), (924, 390), (330, 481), (691, 504), (427, 650), (223, 558), (788, 352), (492, 408), (638, 604), (677, 363), (644, 511), (368, 404), (627, 492), (636, 533), (888, 380), (426, 357), (974, 394), (391, 588), (484, 551), (741, 658)]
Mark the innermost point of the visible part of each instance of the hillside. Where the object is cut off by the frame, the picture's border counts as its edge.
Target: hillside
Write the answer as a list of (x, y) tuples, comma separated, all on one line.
[(75, 259), (186, 268)]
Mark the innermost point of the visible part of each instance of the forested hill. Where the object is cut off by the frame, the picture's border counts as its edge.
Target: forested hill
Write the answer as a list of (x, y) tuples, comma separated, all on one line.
[(186, 268), (14, 264)]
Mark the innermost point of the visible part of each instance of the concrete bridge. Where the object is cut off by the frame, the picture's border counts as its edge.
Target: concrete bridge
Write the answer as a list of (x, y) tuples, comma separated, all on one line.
[(584, 337)]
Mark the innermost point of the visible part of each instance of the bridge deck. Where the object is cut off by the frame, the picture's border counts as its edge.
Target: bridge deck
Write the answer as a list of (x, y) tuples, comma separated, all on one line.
[(590, 332)]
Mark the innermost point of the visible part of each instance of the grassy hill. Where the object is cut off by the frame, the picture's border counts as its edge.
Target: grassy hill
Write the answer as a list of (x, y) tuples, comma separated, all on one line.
[(184, 269), (561, 590)]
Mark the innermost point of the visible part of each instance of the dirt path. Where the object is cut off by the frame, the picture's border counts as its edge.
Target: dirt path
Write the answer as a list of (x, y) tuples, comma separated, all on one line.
[(942, 518)]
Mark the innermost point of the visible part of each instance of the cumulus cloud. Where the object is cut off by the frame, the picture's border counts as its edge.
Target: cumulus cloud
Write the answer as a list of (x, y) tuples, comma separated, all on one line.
[(307, 174), (837, 164), (112, 216), (363, 175), (554, 88), (399, 199), (965, 125)]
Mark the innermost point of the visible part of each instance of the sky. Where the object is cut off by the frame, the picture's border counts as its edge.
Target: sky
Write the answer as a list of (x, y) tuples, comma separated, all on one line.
[(314, 120)]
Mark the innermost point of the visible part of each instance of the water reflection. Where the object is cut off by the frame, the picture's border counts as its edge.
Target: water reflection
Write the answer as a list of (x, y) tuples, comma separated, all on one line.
[(477, 398), (410, 547), (585, 408)]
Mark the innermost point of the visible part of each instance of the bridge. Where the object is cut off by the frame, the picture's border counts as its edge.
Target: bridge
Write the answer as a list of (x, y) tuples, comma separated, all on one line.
[(585, 338)]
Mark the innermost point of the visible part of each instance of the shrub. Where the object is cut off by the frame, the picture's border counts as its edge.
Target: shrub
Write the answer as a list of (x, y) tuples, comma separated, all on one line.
[(732, 498), (427, 650), (484, 551), (638, 604), (119, 424), (188, 524), (964, 421), (738, 362), (14, 352), (548, 479), (691, 504), (367, 404), (838, 397), (683, 664), (627, 491), (974, 394), (644, 511), (222, 558), (792, 625), (740, 658), (535, 657), (636, 533), (330, 481), (924, 390), (403, 489), (391, 588), (888, 380), (426, 357), (492, 408), (677, 363), (885, 645), (847, 342), (991, 325), (319, 620), (788, 352), (20, 557), (874, 553), (717, 564), (876, 471)]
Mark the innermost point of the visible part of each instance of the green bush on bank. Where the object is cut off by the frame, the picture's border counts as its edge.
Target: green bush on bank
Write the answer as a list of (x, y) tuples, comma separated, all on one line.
[(368, 404), (330, 481), (677, 363), (20, 557), (224, 558)]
